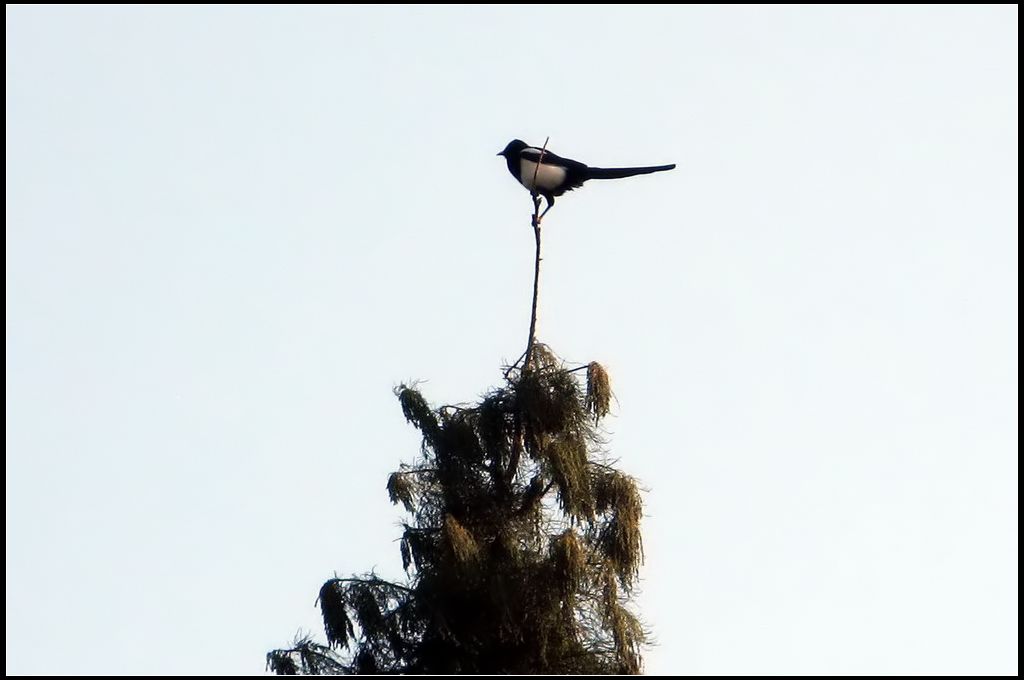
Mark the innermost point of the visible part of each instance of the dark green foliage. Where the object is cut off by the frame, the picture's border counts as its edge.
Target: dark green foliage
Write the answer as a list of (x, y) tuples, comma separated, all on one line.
[(521, 550)]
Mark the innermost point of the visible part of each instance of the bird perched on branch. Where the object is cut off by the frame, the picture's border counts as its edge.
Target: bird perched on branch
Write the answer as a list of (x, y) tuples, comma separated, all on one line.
[(550, 175)]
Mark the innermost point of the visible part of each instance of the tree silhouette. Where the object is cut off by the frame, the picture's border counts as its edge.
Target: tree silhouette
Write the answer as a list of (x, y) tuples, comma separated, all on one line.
[(522, 544)]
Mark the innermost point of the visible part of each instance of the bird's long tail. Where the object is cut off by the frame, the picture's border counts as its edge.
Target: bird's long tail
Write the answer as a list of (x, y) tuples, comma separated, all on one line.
[(616, 173)]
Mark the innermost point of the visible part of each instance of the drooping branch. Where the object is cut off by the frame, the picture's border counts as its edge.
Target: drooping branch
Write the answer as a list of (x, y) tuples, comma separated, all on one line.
[(305, 657), (373, 581)]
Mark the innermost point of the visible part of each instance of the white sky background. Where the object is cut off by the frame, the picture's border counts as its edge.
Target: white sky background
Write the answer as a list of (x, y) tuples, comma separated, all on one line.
[(231, 231)]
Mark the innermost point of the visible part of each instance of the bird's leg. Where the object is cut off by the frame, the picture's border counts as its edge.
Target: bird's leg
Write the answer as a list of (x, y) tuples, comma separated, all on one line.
[(535, 219), (538, 218)]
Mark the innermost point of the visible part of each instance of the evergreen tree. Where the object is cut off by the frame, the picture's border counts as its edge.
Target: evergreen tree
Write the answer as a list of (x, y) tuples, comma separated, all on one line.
[(522, 544)]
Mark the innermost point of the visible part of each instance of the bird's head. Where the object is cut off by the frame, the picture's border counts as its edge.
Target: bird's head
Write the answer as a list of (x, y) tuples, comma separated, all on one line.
[(513, 148)]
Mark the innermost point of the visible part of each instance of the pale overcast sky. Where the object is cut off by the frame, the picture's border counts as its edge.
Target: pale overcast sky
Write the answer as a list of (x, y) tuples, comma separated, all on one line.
[(231, 231)]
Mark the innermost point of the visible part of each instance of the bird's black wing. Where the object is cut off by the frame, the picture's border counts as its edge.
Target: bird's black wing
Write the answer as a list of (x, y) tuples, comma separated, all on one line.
[(532, 153)]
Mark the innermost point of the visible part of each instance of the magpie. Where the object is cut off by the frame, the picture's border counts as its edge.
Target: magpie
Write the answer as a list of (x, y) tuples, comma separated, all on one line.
[(556, 175)]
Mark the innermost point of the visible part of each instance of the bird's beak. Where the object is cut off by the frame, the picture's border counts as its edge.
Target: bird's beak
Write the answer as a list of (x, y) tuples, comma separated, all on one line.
[(500, 153)]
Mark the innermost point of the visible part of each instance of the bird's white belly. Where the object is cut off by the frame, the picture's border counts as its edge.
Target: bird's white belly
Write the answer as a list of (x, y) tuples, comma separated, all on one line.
[(548, 176)]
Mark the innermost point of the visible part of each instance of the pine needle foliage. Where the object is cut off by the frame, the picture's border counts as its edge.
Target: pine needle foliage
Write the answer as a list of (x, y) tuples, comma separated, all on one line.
[(521, 549)]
